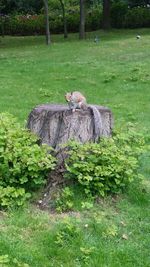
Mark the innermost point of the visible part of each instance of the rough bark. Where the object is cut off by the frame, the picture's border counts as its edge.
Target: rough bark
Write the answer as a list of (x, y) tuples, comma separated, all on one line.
[(64, 18), (106, 14), (82, 19), (48, 38), (56, 124)]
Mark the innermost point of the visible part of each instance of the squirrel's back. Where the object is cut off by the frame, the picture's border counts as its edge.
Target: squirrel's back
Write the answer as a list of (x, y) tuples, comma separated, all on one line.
[(77, 97)]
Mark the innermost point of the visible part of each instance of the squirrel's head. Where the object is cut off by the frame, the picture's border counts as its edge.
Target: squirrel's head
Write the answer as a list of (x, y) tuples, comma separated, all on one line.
[(68, 96)]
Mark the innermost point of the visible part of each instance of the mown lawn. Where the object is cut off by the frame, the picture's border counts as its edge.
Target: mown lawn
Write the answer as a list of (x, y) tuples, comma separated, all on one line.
[(114, 73)]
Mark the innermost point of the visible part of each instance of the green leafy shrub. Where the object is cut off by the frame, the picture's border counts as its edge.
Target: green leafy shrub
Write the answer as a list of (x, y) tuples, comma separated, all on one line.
[(121, 17), (73, 20), (124, 17), (24, 24), (23, 163), (119, 10), (35, 24), (11, 196), (93, 19), (108, 166), (137, 17)]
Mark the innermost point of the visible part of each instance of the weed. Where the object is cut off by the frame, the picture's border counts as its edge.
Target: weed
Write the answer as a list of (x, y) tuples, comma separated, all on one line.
[(64, 202)]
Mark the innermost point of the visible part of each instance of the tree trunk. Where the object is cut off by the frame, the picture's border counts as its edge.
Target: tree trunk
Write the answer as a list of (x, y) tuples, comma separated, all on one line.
[(48, 39), (2, 26), (106, 14), (64, 18), (55, 125), (82, 19)]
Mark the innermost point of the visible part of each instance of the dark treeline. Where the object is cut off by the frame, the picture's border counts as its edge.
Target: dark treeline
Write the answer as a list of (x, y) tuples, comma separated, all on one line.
[(36, 6), (21, 6), (27, 17)]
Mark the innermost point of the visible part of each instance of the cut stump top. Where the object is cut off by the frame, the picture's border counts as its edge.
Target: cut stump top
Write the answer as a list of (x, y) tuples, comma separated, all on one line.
[(55, 124)]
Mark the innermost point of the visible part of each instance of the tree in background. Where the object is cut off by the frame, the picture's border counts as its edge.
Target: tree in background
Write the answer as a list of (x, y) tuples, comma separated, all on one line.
[(66, 7), (62, 3), (48, 39), (21, 6), (2, 6), (135, 3), (82, 19), (69, 15), (63, 8), (106, 14)]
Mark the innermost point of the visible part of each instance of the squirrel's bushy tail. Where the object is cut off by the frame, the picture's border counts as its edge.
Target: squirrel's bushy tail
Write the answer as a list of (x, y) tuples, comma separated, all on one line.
[(97, 122)]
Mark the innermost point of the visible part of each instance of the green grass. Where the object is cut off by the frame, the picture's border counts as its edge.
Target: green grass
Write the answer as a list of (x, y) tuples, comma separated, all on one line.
[(114, 73)]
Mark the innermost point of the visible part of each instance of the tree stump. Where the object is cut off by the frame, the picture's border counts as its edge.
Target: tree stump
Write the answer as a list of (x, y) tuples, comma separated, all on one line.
[(56, 124)]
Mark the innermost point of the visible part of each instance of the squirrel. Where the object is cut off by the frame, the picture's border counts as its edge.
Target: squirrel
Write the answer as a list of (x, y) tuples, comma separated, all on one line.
[(77, 101)]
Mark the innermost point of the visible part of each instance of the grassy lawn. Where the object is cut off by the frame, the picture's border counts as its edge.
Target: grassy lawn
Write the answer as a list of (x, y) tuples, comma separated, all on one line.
[(113, 73)]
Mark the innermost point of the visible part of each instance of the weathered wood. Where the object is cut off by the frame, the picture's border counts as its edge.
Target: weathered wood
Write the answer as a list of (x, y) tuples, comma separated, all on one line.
[(56, 124)]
